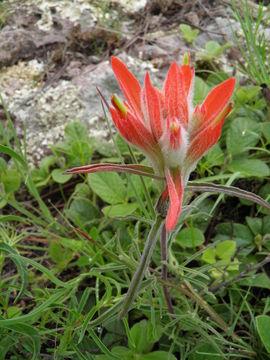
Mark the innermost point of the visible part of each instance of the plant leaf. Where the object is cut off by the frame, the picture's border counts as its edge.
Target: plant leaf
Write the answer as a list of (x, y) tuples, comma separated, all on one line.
[(119, 210), (249, 167), (228, 190), (128, 168), (263, 326)]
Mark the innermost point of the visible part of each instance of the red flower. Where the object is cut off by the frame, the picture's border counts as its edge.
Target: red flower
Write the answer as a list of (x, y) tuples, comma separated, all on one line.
[(166, 128)]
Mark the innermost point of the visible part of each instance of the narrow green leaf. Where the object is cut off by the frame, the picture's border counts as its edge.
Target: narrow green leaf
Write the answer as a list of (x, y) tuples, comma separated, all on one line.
[(46, 272), (31, 316), (26, 330), (18, 260), (101, 346), (131, 342), (6, 218), (7, 150)]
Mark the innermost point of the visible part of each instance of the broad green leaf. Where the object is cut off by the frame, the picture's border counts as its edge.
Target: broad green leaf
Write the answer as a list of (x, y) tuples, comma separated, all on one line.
[(263, 327), (213, 49), (40, 177), (238, 232), (249, 167), (266, 225), (11, 180), (76, 131), (139, 335), (189, 34), (47, 162), (215, 156), (80, 153), (258, 280), (82, 211), (190, 237), (243, 133), (226, 249), (120, 210), (121, 144), (136, 181), (13, 311), (106, 149), (82, 190), (245, 94), (201, 89), (255, 225), (108, 186), (60, 255), (266, 130), (264, 192), (209, 256), (216, 78), (59, 177)]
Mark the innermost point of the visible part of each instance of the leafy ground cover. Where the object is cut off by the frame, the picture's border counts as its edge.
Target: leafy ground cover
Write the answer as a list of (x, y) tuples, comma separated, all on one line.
[(70, 245)]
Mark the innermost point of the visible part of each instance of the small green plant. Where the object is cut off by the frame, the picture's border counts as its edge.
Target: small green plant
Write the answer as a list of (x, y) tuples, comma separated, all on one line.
[(255, 49), (188, 33), (221, 258), (3, 15), (77, 148), (10, 182), (213, 50)]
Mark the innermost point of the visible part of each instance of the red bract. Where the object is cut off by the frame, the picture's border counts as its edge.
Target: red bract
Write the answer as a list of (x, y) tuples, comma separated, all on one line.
[(165, 126)]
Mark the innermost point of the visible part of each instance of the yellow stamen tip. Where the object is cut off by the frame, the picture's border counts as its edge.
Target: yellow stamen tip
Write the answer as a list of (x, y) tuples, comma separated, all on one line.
[(186, 60), (174, 127), (119, 105)]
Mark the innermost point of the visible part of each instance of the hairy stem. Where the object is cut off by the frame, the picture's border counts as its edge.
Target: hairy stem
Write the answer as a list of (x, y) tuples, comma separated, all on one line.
[(164, 258), (143, 264)]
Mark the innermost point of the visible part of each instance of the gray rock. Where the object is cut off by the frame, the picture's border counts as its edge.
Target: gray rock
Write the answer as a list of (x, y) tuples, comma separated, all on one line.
[(15, 45), (46, 111)]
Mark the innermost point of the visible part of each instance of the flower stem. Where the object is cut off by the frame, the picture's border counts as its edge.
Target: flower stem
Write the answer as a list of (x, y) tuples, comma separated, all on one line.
[(164, 258), (143, 264)]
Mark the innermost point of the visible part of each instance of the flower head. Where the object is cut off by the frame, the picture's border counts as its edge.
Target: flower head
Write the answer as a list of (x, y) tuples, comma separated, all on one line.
[(165, 126)]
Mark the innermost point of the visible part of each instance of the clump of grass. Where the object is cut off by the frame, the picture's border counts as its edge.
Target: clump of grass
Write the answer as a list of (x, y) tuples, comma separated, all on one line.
[(255, 49)]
